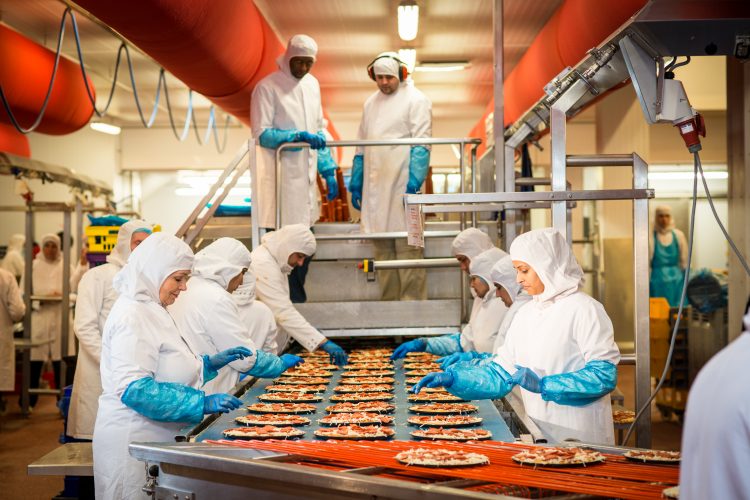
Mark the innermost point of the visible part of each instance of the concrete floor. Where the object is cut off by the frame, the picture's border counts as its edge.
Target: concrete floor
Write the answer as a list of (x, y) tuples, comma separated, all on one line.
[(23, 440)]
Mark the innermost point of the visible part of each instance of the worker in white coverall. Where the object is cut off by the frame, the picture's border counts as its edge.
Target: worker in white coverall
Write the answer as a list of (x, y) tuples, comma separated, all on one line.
[(381, 175), (13, 262), (95, 299), (716, 437), (487, 313), (12, 309), (560, 348), (279, 252), (46, 326), (209, 320), (285, 107), (468, 244), (256, 316), (150, 376)]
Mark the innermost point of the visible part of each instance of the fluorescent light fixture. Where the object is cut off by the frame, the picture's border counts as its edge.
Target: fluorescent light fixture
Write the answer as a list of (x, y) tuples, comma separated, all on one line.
[(105, 128), (408, 20), (409, 57), (685, 176), (441, 67)]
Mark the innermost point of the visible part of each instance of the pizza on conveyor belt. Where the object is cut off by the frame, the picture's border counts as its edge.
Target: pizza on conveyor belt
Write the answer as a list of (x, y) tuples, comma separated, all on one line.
[(372, 406), (307, 372), (452, 434), (313, 365), (356, 432), (281, 408), (264, 432), (445, 420), (369, 365), (367, 380), (296, 388), (433, 396), (438, 457), (302, 380), (368, 373), (656, 456), (371, 352), (413, 380), (272, 419), (420, 373), (543, 455), (291, 397), (364, 388), (363, 396), (359, 418), (432, 367), (444, 408), (421, 356)]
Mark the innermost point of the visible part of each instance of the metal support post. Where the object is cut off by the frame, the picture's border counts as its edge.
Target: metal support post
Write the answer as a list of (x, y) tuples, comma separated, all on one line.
[(79, 226), (641, 298), (473, 158), (27, 291), (510, 229), (462, 170), (65, 304), (252, 167), (498, 118)]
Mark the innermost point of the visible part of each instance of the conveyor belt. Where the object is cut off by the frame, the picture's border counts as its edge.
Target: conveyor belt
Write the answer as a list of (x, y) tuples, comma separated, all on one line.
[(492, 419)]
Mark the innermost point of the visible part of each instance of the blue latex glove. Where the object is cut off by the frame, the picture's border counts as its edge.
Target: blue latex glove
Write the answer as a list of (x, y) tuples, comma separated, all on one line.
[(316, 141), (290, 360), (164, 401), (527, 379), (581, 387), (338, 355), (333, 187), (419, 165), (223, 358), (444, 344), (457, 357), (357, 181), (416, 345), (435, 379), (220, 403), (272, 138), (488, 381)]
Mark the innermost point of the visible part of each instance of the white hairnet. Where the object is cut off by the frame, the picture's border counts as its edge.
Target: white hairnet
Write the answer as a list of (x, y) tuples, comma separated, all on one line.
[(121, 252), (288, 240), (16, 242), (245, 294), (385, 64), (504, 274), (482, 264), (51, 238), (471, 242), (663, 210), (221, 261), (151, 263), (547, 252), (298, 46)]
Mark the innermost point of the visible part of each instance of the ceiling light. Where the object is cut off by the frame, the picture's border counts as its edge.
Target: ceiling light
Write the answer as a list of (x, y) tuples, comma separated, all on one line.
[(408, 20), (105, 128), (441, 67), (409, 57)]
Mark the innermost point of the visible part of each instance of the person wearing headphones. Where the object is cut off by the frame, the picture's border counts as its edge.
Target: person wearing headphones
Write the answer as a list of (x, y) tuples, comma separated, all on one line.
[(382, 175)]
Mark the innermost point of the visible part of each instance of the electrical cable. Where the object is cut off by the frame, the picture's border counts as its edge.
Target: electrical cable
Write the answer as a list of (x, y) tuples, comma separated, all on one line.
[(683, 63), (668, 67)]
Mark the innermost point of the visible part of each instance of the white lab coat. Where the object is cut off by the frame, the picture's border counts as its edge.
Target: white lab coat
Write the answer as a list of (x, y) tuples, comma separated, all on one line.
[(13, 262), (487, 312), (270, 267), (12, 310), (559, 331), (504, 274), (256, 316), (407, 113), (96, 296), (140, 340), (502, 330), (716, 437), (281, 101)]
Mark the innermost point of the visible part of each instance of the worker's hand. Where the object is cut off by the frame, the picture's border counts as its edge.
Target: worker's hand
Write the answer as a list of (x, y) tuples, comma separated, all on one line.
[(223, 358), (435, 379), (416, 345), (333, 186), (527, 379), (452, 359), (356, 199), (290, 360), (316, 141), (338, 355), (220, 403)]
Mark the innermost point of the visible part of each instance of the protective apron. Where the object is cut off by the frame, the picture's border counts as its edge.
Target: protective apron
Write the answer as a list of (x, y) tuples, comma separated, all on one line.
[(666, 274)]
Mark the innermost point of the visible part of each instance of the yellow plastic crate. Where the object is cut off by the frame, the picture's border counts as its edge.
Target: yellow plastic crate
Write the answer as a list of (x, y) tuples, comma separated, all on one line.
[(101, 239), (659, 329)]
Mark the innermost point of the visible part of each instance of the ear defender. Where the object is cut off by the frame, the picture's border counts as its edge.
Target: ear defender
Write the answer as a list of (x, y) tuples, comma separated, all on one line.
[(403, 70)]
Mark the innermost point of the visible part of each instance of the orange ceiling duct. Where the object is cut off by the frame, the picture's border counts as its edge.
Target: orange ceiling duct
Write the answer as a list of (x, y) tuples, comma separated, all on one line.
[(576, 27), (25, 71), (14, 142)]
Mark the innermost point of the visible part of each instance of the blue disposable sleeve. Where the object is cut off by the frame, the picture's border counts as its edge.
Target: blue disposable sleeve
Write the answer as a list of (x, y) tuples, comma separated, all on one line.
[(490, 381), (267, 365), (326, 165), (272, 138), (419, 164), (209, 373), (164, 401), (581, 387), (358, 174), (445, 344)]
